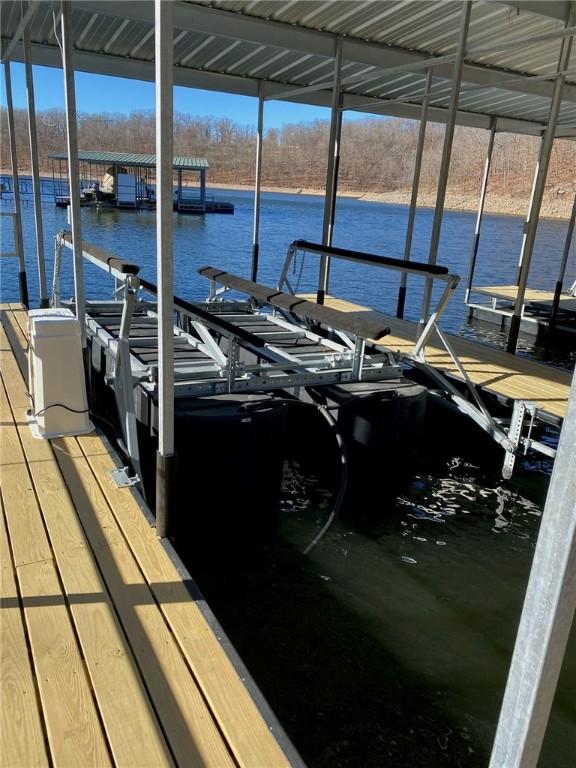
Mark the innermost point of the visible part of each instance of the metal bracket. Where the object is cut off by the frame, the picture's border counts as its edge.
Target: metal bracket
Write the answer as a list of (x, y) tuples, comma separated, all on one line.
[(515, 437), (122, 479)]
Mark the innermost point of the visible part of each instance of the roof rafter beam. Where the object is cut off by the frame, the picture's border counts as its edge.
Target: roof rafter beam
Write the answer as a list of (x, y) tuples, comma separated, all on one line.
[(552, 9), (117, 66), (360, 78), (221, 23), (25, 20), (520, 42)]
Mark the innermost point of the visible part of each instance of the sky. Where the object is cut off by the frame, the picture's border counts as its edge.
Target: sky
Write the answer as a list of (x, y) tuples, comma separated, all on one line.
[(102, 93)]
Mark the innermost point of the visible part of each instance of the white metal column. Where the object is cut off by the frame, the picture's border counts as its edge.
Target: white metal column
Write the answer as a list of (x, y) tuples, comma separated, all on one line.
[(564, 261), (16, 184), (257, 184), (530, 202), (538, 193), (35, 168), (164, 52), (73, 166), (547, 615), (483, 189), (415, 187), (447, 151), (331, 173)]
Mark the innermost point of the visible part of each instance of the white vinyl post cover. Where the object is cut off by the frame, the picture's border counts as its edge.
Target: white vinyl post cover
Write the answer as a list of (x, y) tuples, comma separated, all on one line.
[(56, 375)]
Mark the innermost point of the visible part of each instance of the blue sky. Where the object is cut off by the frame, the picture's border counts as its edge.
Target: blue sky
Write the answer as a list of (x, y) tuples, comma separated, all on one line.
[(100, 93)]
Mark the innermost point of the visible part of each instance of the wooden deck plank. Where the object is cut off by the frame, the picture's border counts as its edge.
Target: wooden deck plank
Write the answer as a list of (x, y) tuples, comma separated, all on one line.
[(17, 337), (22, 742), (250, 739), (27, 534), (532, 295), (238, 717), (74, 731), (72, 723), (187, 721), (510, 376), (129, 719)]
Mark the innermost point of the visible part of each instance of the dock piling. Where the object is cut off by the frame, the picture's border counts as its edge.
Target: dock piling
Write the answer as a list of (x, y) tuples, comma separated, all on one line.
[(331, 173), (22, 281), (447, 151), (33, 138), (538, 190), (483, 189), (563, 263), (415, 187), (257, 185), (73, 167), (164, 16)]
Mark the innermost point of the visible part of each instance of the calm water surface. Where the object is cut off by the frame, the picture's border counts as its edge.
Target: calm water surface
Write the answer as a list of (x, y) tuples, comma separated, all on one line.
[(388, 645)]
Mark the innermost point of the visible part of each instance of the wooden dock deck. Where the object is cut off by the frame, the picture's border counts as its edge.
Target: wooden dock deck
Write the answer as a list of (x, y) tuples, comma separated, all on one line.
[(510, 293), (507, 376), (109, 656)]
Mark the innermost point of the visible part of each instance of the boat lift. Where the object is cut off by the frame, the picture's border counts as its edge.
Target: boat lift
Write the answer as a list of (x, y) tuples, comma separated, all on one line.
[(510, 436), (274, 340)]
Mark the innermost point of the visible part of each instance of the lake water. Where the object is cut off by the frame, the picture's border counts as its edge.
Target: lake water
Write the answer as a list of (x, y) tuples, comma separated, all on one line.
[(225, 241), (388, 645)]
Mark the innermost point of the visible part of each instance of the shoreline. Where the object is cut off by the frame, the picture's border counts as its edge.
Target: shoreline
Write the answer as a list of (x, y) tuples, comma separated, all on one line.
[(554, 206), (557, 208)]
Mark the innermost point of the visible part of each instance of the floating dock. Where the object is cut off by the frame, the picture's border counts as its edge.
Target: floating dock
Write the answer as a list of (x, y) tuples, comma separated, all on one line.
[(542, 311), (110, 656), (127, 182)]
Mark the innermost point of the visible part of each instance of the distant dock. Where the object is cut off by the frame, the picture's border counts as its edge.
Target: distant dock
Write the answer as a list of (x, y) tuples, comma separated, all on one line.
[(127, 180), (542, 311)]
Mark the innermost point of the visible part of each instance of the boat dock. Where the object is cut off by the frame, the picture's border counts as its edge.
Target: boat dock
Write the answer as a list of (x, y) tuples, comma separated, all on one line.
[(109, 654), (541, 310), (506, 376)]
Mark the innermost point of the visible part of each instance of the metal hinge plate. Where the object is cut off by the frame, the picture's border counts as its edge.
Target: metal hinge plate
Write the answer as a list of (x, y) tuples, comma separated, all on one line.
[(122, 479)]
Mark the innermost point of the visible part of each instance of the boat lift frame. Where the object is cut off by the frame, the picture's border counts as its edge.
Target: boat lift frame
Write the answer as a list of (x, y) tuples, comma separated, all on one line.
[(512, 439)]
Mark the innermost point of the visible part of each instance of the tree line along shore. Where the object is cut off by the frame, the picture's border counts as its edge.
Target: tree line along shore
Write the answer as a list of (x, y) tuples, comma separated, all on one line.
[(377, 157)]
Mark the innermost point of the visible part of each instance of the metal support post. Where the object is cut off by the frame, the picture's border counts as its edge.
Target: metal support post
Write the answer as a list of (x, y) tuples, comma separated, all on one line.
[(22, 282), (527, 220), (73, 167), (540, 181), (415, 186), (203, 188), (179, 193), (123, 381), (546, 618), (35, 169), (332, 173), (447, 151), (564, 262), (483, 188), (257, 184), (164, 17)]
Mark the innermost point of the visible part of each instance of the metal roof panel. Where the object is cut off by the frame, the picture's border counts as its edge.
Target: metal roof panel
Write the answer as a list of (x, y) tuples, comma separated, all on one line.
[(133, 160)]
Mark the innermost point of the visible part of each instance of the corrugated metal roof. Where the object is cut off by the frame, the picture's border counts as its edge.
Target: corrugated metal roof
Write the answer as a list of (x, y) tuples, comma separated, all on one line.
[(289, 45), (134, 160)]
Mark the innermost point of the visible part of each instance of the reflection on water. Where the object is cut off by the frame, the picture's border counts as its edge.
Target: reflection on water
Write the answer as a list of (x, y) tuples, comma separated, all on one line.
[(389, 644), (560, 355)]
